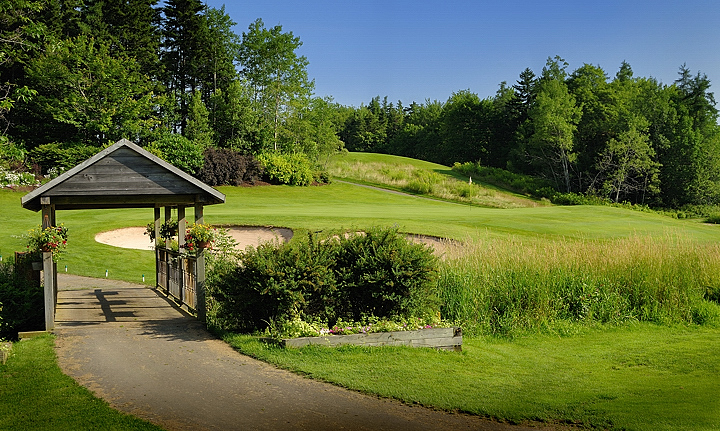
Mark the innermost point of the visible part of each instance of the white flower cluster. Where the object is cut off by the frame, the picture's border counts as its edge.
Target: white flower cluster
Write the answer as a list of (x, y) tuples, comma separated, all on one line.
[(10, 179)]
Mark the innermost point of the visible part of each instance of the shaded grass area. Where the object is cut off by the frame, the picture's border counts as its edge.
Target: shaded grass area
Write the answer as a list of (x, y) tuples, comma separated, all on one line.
[(35, 395), (635, 377)]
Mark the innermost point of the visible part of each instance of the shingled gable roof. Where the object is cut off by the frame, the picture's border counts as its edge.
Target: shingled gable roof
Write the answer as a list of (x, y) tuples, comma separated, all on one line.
[(123, 176)]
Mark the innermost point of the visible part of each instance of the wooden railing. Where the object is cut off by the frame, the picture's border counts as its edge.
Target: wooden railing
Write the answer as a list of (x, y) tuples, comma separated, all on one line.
[(177, 276)]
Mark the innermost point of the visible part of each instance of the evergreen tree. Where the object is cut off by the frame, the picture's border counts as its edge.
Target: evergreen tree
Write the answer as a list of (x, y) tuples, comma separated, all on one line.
[(130, 27), (198, 125), (220, 51), (184, 32), (62, 18)]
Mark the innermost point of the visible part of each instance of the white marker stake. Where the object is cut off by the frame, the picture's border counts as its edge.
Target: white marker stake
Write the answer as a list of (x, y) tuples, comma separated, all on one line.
[(106, 273)]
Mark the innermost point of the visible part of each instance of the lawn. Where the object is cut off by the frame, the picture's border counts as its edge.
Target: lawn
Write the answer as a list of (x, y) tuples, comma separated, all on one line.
[(35, 395), (635, 377)]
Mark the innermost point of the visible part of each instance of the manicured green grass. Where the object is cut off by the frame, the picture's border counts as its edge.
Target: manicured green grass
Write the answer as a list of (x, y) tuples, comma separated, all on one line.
[(332, 207), (638, 377), (35, 395)]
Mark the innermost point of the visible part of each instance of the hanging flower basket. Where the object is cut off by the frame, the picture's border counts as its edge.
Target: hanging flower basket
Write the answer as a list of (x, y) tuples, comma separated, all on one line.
[(51, 239), (199, 237), (168, 230)]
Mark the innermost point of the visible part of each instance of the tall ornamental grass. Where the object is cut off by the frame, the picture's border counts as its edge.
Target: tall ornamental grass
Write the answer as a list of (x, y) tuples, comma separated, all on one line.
[(509, 287)]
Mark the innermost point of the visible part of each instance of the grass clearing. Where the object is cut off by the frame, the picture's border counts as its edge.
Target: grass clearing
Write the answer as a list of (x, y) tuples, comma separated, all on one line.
[(423, 178), (35, 395), (635, 377)]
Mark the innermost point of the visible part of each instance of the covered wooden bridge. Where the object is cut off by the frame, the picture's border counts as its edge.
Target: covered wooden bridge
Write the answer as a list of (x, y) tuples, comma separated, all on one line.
[(126, 176)]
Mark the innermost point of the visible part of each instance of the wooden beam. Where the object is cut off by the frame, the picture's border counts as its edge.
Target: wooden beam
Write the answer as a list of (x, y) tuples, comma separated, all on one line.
[(156, 213), (49, 275)]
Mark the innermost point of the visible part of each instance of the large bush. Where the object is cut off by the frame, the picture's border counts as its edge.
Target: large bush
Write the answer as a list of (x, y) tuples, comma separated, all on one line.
[(178, 151), (12, 155), (21, 302), (228, 167), (293, 169), (61, 157), (378, 274)]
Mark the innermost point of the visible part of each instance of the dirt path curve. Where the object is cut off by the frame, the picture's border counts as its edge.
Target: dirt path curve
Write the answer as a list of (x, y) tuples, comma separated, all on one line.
[(131, 347)]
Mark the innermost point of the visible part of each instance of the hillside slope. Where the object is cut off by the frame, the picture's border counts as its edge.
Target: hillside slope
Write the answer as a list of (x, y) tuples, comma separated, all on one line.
[(423, 178)]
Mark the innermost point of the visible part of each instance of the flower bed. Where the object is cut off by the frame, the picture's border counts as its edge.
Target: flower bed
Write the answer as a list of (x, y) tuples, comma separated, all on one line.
[(439, 338)]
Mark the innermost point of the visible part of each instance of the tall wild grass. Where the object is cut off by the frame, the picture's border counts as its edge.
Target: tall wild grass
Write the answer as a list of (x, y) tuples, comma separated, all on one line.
[(508, 287), (420, 181)]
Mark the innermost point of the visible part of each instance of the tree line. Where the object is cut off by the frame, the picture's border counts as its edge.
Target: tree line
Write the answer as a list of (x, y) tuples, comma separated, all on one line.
[(171, 75), (627, 138), (76, 75)]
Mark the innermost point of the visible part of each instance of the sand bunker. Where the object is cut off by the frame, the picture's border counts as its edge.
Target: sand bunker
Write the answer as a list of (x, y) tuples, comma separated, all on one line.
[(135, 238)]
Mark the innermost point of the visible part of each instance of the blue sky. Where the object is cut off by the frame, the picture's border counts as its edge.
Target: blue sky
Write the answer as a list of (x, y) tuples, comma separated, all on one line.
[(418, 50)]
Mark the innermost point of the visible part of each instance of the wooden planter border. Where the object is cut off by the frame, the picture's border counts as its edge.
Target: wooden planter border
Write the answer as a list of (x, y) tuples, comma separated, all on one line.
[(438, 338)]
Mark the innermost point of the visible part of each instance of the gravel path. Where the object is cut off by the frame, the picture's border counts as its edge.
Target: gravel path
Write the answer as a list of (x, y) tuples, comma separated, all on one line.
[(133, 348)]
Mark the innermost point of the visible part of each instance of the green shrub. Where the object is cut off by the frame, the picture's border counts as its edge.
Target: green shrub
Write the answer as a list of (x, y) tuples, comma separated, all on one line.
[(178, 151), (321, 177), (281, 168), (275, 282), (383, 274), (713, 218), (377, 274), (12, 155), (21, 302), (61, 156)]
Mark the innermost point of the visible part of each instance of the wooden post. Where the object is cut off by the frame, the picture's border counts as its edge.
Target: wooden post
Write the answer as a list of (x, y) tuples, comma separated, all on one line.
[(48, 217), (156, 212), (182, 225), (157, 226), (49, 290), (168, 217), (200, 276)]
